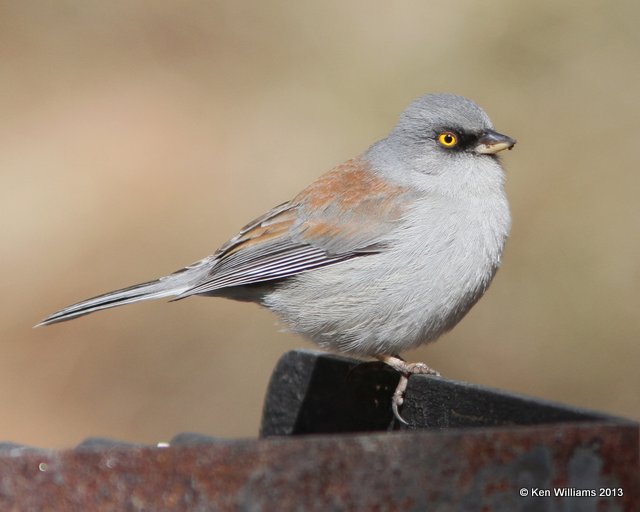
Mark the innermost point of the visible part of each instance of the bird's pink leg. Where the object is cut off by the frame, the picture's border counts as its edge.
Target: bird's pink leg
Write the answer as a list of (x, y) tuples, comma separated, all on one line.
[(405, 370)]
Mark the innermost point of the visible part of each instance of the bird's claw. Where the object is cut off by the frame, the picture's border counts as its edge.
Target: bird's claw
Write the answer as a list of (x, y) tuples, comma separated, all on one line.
[(422, 369), (398, 397), (406, 370), (396, 413)]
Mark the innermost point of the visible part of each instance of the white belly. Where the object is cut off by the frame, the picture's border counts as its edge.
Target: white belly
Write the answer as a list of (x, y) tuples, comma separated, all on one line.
[(435, 269)]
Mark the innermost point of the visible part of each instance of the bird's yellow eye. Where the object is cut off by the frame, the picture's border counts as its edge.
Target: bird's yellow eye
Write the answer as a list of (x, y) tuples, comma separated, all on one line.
[(448, 139)]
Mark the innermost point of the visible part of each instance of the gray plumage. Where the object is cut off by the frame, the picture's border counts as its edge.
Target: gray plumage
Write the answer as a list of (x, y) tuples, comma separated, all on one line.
[(385, 252)]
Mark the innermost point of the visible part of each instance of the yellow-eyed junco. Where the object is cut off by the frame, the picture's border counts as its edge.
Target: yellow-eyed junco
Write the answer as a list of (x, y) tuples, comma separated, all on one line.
[(385, 252)]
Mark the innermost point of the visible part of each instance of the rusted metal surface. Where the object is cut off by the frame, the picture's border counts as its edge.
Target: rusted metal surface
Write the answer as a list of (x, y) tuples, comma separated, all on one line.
[(449, 470), (475, 468)]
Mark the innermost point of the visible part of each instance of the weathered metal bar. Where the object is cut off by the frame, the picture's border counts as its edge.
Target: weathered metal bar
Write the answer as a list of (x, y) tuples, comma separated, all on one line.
[(316, 393)]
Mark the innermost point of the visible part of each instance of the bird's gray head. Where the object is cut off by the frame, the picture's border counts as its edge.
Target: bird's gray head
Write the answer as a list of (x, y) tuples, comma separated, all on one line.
[(428, 115), (441, 134)]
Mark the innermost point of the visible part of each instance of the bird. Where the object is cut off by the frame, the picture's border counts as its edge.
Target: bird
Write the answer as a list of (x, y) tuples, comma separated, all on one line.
[(385, 252)]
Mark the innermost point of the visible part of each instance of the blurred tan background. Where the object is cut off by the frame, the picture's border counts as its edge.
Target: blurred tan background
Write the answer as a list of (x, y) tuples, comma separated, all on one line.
[(136, 137)]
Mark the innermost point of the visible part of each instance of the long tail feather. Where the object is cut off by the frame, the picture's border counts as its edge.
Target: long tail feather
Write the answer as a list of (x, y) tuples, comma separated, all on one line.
[(164, 287)]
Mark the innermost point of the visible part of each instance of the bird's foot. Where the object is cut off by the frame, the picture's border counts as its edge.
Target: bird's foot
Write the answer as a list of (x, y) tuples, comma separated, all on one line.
[(405, 370)]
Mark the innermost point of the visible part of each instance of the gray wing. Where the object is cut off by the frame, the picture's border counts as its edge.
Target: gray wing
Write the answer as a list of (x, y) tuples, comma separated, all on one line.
[(343, 215)]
